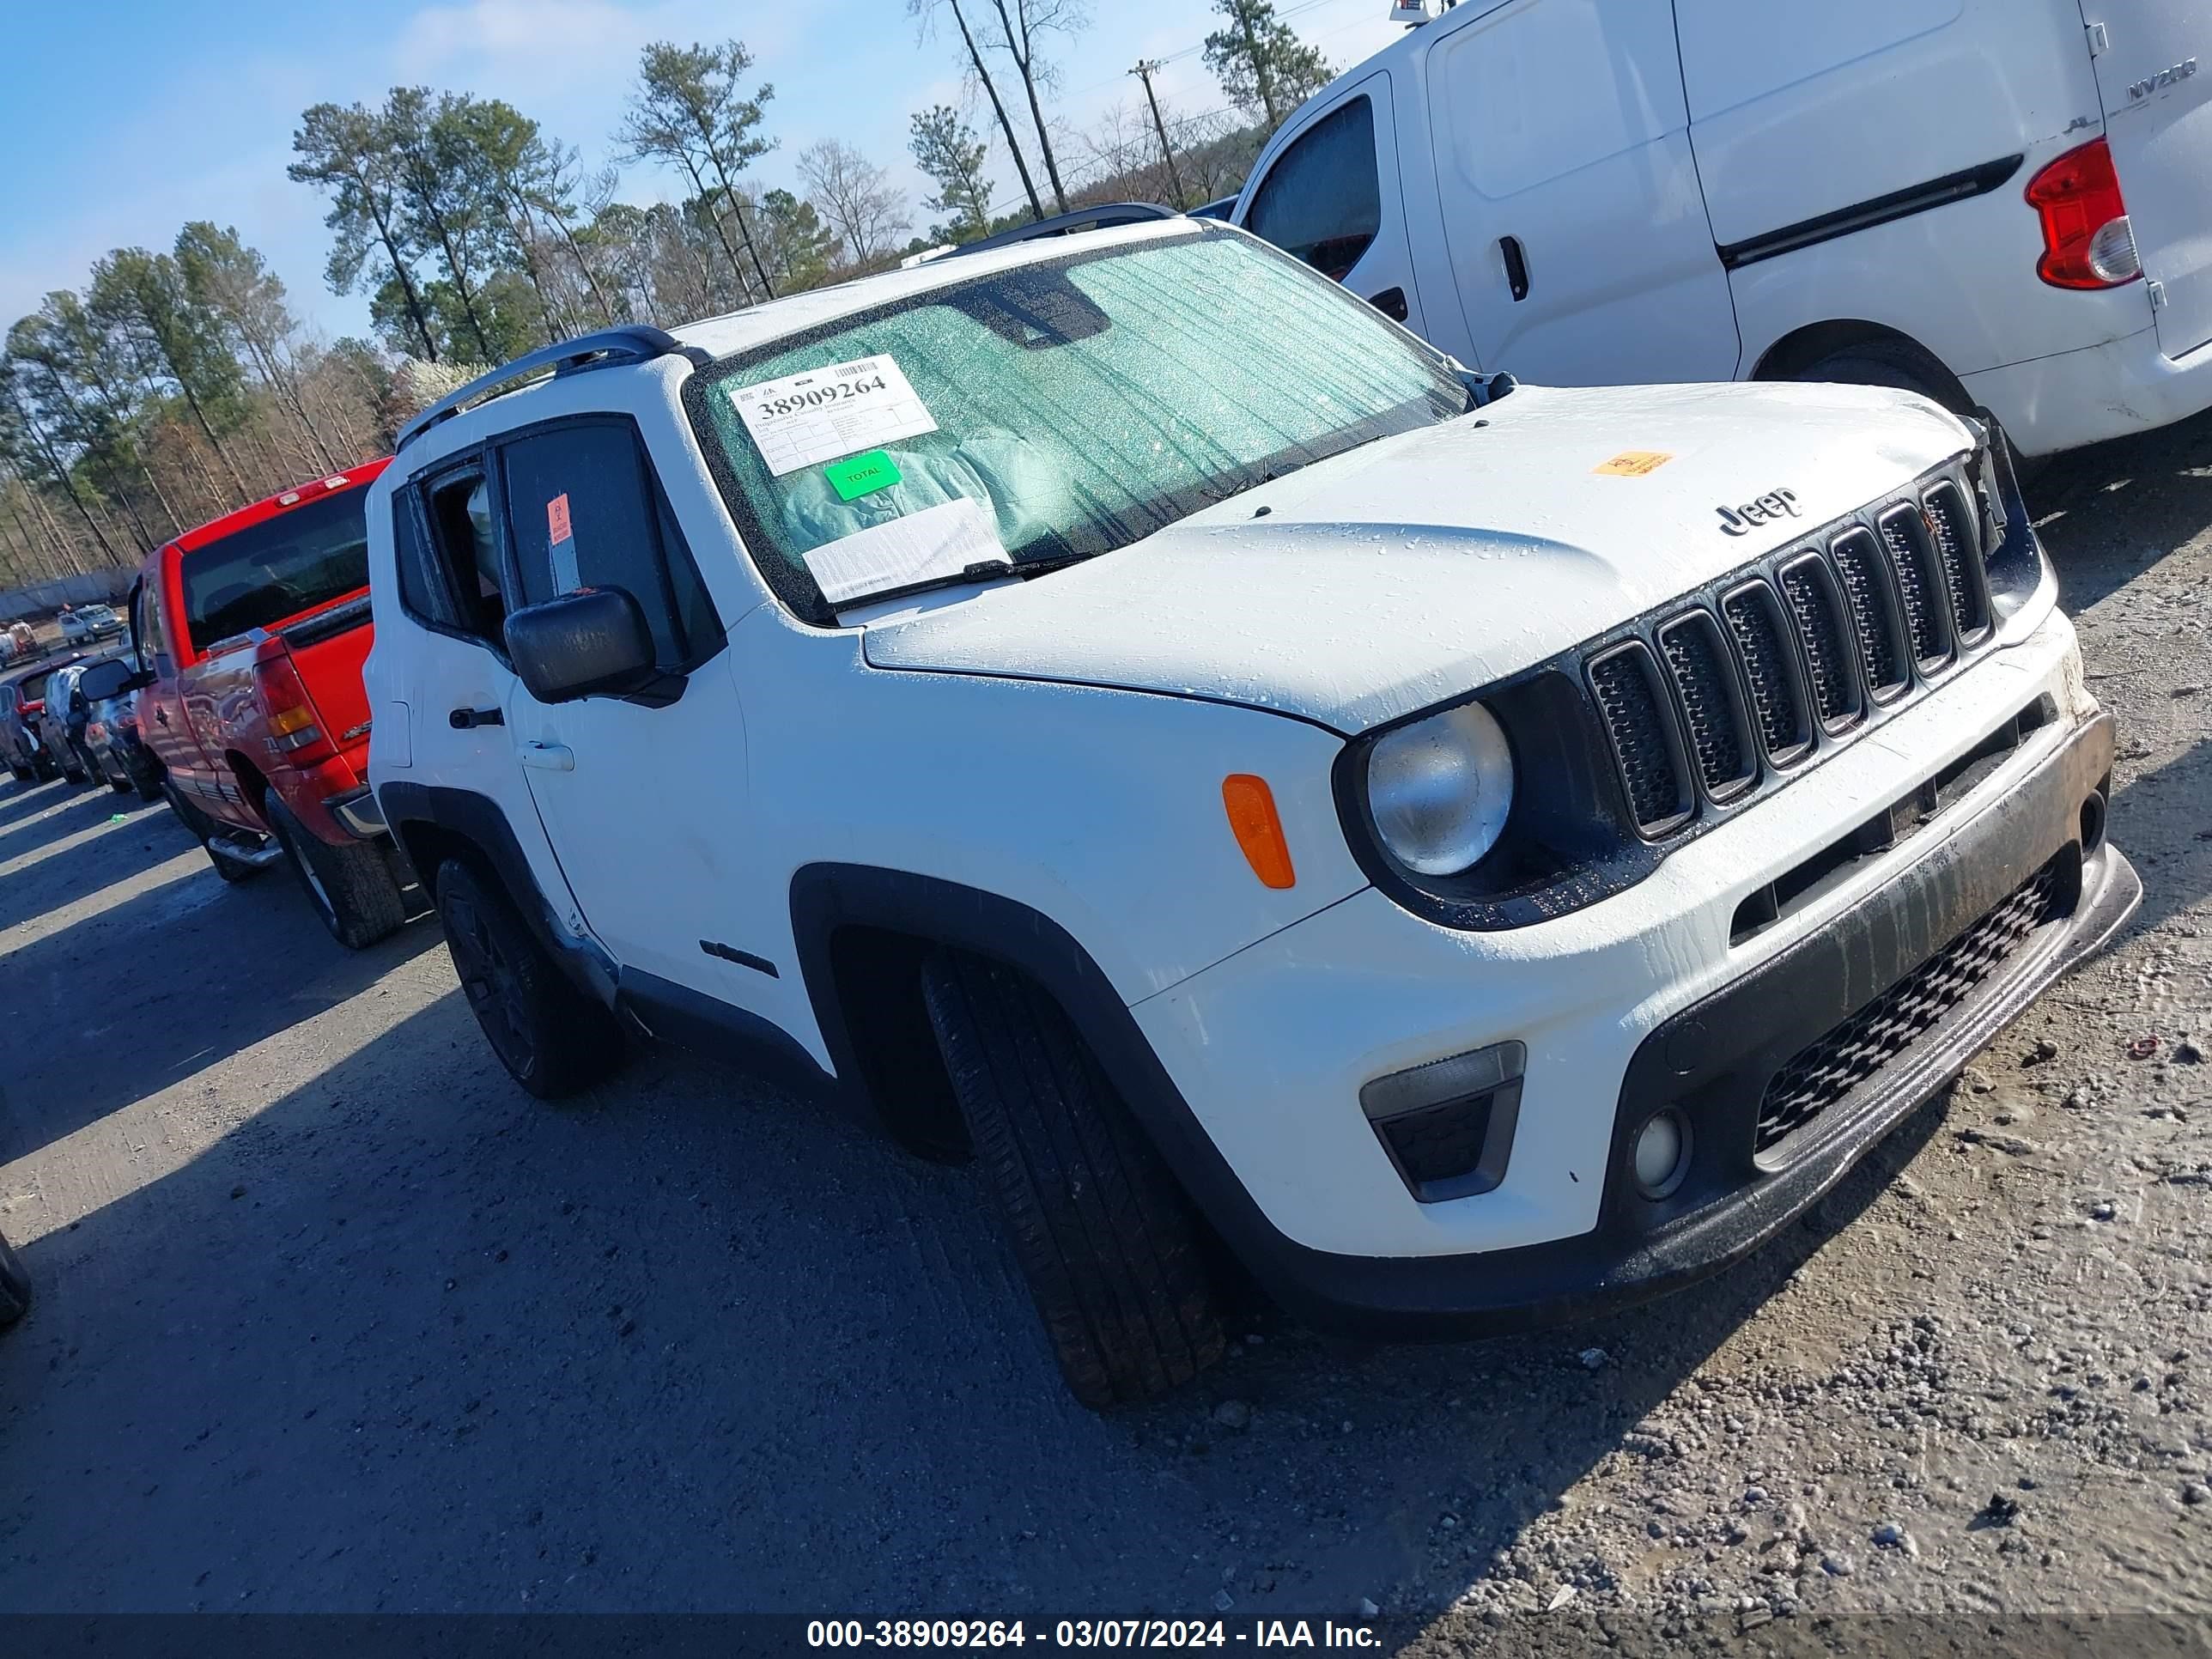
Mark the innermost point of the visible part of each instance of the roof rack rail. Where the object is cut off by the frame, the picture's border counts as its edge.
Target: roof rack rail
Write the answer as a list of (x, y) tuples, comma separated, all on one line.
[(1104, 217), (633, 342)]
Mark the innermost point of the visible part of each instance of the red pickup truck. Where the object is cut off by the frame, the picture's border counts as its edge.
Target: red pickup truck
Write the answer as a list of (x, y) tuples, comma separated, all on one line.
[(250, 633)]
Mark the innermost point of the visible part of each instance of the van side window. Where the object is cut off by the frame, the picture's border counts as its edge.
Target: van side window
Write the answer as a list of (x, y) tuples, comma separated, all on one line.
[(586, 510), (466, 554), (1322, 200)]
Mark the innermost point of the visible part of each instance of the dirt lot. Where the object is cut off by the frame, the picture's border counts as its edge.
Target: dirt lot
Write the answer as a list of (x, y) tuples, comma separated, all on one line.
[(331, 1316)]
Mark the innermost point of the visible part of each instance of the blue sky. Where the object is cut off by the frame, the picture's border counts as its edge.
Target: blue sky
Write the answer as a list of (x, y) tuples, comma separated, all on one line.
[(190, 105)]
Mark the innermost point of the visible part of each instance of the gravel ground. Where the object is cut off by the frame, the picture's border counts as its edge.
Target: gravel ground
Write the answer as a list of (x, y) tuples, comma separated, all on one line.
[(332, 1317)]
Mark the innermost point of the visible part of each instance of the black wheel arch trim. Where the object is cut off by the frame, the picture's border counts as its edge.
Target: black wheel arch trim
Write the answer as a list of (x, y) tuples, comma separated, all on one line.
[(479, 821)]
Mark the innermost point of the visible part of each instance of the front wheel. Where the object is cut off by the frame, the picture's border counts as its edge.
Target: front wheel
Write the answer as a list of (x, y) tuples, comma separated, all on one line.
[(350, 887), (552, 1038), (1111, 1247)]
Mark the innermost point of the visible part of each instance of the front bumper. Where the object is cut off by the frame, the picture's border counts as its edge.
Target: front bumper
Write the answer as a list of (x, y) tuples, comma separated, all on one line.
[(1566, 1232), (2115, 389)]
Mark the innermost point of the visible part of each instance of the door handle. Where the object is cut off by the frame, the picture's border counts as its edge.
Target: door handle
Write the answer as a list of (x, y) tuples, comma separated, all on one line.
[(548, 757), (1516, 267), (461, 719), (160, 716), (1391, 302)]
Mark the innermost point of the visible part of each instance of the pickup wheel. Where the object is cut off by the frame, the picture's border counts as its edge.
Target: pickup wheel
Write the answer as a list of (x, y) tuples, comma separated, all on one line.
[(14, 1285), (350, 887), (1109, 1244), (145, 776), (552, 1038)]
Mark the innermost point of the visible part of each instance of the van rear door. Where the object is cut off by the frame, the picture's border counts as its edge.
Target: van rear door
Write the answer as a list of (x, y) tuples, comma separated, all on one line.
[(2158, 119), (1579, 238)]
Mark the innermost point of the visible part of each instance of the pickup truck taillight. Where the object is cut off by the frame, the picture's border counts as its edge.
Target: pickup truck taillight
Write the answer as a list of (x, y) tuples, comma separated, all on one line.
[(294, 729), (2088, 241)]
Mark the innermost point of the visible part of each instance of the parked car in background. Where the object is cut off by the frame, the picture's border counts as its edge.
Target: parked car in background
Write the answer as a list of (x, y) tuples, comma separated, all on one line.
[(61, 724), (1118, 703), (22, 700), (252, 629), (81, 624), (109, 691), (1979, 200)]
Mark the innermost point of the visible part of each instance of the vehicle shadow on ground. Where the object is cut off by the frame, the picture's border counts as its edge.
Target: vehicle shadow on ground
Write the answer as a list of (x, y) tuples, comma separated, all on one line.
[(2163, 479), (2163, 820), (25, 800), (136, 995), (685, 1344), (148, 836)]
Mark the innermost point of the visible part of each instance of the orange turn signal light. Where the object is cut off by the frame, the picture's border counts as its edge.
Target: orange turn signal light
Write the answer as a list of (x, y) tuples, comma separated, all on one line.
[(1251, 807)]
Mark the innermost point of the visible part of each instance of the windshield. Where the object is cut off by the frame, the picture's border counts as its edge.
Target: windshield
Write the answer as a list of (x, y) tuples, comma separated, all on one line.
[(1080, 404), (308, 556)]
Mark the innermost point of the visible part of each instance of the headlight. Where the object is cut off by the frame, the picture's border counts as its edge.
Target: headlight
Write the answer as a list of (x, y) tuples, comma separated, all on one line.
[(1440, 788)]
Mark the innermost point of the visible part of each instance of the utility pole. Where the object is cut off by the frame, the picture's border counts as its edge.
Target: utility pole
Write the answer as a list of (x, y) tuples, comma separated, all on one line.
[(1147, 68)]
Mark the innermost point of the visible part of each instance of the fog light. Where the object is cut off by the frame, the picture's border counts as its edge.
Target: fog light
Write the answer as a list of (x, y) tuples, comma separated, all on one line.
[(1662, 1153)]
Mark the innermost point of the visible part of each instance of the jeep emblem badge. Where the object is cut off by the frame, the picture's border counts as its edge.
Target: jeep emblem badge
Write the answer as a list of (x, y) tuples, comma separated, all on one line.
[(1775, 504)]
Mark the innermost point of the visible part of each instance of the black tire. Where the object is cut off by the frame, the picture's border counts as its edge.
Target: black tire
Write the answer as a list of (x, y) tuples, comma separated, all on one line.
[(23, 774), (46, 769), (120, 786), (1112, 1248), (552, 1038), (349, 887), (146, 776), (1890, 363), (14, 1285)]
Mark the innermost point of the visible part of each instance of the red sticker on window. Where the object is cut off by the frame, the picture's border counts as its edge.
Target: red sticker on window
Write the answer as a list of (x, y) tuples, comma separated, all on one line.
[(556, 518)]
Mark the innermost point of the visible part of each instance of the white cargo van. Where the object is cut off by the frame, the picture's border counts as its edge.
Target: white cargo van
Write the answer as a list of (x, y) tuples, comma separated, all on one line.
[(2000, 203)]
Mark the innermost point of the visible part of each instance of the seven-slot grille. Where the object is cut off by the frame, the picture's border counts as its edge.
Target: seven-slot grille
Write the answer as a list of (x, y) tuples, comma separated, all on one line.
[(1745, 677)]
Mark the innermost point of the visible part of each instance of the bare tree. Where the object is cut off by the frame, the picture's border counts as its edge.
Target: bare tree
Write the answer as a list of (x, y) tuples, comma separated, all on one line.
[(867, 212), (925, 10), (1021, 22)]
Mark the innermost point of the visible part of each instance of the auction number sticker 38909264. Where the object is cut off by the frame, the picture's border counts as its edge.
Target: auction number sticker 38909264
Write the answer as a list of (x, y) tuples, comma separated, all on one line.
[(801, 420)]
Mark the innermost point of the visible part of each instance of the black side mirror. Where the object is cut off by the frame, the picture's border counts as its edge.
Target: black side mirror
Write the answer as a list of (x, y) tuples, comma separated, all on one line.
[(591, 643)]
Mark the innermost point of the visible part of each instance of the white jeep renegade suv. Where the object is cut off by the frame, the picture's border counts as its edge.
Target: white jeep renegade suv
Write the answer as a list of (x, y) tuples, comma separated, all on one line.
[(1121, 707)]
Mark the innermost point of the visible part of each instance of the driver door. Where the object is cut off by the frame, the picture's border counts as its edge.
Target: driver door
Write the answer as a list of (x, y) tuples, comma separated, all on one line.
[(646, 806)]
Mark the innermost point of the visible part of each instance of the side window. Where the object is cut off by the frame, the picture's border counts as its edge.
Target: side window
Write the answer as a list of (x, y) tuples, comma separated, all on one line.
[(1322, 200), (146, 630), (466, 556), (585, 510), (422, 589)]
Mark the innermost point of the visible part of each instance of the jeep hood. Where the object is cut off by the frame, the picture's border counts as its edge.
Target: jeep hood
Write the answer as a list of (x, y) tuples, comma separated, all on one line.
[(1421, 567)]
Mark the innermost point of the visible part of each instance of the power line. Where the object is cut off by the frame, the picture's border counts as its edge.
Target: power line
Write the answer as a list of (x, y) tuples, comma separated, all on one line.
[(1283, 16)]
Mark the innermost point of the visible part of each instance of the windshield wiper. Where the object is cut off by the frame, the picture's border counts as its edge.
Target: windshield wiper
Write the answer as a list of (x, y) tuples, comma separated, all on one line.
[(972, 575)]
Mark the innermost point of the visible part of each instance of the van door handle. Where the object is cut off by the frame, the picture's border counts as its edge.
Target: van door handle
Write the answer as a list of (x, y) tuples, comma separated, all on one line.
[(462, 719), (160, 715), (1391, 302), (548, 757), (1516, 267)]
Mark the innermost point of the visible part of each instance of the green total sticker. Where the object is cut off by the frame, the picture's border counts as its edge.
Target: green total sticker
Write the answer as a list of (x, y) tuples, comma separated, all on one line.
[(861, 475)]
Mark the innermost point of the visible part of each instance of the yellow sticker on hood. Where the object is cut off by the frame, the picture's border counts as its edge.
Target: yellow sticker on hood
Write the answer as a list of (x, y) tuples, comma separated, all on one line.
[(1633, 464)]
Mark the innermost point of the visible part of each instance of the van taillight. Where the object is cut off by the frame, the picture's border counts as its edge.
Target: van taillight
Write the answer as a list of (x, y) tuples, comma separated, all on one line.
[(293, 730), (2088, 241)]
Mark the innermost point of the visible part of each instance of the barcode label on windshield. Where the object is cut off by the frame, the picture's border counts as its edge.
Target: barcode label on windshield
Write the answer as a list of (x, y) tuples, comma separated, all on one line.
[(805, 419)]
